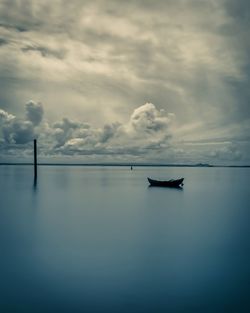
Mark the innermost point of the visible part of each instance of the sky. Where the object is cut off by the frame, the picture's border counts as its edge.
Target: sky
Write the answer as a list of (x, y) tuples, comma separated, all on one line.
[(142, 81)]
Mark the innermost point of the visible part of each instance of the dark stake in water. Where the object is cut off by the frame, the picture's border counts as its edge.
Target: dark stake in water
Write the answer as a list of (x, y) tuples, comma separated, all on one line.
[(93, 239)]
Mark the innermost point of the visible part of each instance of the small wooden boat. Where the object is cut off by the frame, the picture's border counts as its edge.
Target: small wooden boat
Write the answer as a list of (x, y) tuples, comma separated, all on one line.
[(166, 183)]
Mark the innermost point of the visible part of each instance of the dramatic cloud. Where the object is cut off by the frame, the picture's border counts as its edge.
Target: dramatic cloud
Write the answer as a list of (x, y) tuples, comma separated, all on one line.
[(3, 41), (34, 112), (147, 119), (148, 129), (44, 51), (109, 132), (20, 131), (149, 135), (96, 61), (66, 129), (5, 116)]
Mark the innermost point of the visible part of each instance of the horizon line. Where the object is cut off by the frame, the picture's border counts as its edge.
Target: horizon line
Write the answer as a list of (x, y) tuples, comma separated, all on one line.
[(122, 164)]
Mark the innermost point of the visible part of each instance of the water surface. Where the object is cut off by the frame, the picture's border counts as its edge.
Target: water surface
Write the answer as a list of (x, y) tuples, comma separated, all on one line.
[(98, 239)]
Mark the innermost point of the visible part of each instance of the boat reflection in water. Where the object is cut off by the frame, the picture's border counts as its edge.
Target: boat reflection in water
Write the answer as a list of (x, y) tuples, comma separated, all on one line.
[(173, 183)]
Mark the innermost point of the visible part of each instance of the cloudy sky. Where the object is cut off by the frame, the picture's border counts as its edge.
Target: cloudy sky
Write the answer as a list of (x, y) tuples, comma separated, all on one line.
[(162, 81)]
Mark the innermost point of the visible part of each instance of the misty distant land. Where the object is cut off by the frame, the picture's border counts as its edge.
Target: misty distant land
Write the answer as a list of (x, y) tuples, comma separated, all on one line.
[(126, 164)]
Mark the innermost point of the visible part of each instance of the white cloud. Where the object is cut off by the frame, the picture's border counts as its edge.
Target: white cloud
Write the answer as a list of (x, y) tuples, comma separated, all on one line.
[(66, 130), (149, 134), (147, 129), (147, 119), (21, 131), (5, 116)]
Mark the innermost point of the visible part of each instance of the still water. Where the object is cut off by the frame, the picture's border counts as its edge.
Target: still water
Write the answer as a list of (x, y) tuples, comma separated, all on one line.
[(98, 239)]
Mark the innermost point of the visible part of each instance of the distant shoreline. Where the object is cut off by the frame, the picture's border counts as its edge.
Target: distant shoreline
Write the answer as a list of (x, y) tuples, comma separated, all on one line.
[(124, 165)]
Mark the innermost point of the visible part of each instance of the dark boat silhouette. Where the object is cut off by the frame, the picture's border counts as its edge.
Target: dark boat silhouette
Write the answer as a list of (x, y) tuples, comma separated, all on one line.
[(176, 183)]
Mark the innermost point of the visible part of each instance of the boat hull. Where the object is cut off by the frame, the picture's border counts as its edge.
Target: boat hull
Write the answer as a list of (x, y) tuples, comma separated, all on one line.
[(177, 183)]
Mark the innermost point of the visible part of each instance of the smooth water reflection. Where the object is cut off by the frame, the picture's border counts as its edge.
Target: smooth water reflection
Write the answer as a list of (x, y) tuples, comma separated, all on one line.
[(90, 239)]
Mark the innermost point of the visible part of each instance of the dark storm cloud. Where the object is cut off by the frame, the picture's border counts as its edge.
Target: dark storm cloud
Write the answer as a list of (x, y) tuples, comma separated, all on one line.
[(109, 131), (100, 59), (45, 51), (14, 27), (239, 9), (34, 112), (3, 42), (239, 32), (19, 132)]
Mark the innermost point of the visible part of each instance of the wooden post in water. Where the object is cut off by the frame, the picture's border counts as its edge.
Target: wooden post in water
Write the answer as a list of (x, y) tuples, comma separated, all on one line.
[(35, 160)]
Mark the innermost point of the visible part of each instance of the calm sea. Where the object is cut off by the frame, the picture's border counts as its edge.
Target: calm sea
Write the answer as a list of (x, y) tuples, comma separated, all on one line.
[(98, 239)]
